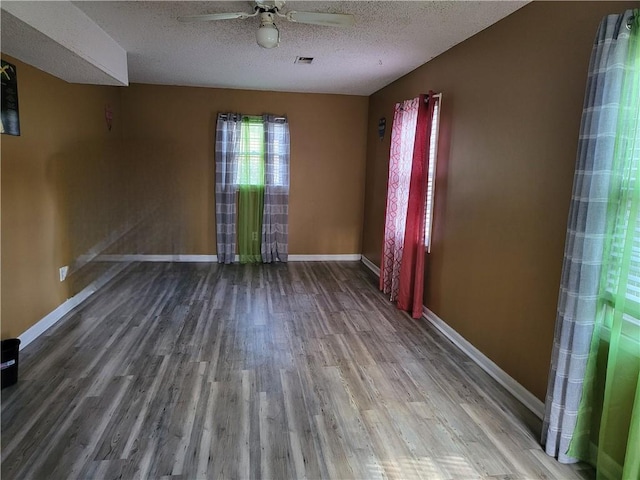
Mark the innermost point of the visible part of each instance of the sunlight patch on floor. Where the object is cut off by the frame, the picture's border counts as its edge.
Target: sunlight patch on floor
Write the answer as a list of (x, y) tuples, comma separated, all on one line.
[(407, 468), (458, 467)]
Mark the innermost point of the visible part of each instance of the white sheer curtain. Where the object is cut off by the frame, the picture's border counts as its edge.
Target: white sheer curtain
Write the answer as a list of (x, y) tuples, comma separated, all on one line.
[(228, 129), (275, 222)]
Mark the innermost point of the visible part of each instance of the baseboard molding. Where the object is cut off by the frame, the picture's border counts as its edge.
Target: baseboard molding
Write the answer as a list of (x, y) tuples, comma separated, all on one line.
[(156, 258), (214, 258), (54, 316), (503, 378), (370, 265), (325, 258), (103, 245)]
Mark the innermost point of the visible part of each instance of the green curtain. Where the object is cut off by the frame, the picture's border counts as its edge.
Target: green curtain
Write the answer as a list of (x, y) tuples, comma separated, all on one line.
[(250, 190), (607, 432)]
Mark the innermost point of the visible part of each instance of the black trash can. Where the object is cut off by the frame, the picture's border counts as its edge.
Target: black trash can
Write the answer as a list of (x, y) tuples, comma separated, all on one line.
[(10, 349)]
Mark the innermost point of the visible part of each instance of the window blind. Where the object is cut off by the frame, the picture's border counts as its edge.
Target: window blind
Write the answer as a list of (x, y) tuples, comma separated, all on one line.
[(433, 151), (622, 274)]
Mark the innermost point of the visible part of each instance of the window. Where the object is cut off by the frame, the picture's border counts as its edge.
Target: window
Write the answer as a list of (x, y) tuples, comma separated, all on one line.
[(623, 251), (252, 153), (409, 207), (280, 147), (252, 212), (431, 180)]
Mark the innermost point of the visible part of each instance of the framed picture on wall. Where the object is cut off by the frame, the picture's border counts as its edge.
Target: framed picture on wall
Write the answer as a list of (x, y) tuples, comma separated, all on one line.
[(9, 112)]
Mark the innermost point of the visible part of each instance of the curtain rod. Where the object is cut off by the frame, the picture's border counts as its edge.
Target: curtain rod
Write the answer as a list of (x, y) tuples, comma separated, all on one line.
[(224, 116), (426, 98)]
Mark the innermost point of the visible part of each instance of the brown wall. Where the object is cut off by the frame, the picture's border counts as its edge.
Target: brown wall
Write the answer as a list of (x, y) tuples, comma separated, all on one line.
[(512, 101), (53, 177), (510, 119), (71, 187), (328, 152)]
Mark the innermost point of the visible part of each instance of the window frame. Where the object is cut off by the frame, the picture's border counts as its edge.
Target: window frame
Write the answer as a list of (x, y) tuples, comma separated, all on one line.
[(280, 179), (247, 159), (627, 199), (432, 163)]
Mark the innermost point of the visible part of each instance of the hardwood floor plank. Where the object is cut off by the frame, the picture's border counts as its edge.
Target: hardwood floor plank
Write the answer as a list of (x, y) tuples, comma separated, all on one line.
[(302, 370), (204, 447), (390, 448), (145, 397), (186, 423), (302, 438)]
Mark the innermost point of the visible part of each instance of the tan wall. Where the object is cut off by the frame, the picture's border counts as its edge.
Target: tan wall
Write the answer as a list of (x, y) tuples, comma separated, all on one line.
[(328, 152), (54, 177), (512, 100), (71, 187)]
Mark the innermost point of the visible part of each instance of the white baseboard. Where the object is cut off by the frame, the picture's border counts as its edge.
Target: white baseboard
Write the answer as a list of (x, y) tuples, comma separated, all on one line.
[(116, 234), (214, 258), (325, 258), (157, 258), (370, 265), (527, 398), (54, 316)]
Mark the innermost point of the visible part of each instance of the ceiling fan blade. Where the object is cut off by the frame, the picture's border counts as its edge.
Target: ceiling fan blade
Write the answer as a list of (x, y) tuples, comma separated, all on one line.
[(214, 16), (325, 19)]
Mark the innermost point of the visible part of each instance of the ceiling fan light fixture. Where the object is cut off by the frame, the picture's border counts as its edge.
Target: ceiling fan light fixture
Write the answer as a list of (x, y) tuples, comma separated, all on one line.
[(267, 35)]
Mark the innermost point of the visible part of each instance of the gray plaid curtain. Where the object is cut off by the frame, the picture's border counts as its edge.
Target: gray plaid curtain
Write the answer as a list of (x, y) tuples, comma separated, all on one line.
[(275, 222), (227, 146), (577, 304)]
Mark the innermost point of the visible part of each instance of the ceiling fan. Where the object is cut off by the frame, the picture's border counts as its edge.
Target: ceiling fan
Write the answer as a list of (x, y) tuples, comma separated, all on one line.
[(268, 35)]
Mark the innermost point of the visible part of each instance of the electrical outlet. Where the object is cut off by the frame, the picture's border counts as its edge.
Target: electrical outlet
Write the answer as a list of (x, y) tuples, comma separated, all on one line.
[(63, 273)]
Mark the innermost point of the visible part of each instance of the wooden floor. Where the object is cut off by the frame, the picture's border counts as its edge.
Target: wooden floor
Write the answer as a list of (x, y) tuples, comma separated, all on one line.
[(193, 371)]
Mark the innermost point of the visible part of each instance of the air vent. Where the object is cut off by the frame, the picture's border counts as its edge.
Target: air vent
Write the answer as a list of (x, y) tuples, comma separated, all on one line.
[(304, 60)]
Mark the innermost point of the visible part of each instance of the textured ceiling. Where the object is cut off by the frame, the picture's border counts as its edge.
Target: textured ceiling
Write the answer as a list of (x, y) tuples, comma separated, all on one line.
[(390, 39), (59, 39)]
